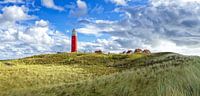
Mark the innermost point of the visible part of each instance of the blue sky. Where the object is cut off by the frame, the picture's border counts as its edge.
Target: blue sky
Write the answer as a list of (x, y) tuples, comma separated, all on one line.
[(30, 27)]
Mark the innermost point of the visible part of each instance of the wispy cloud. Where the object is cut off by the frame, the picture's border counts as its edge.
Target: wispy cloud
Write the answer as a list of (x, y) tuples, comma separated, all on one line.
[(51, 4), (80, 9)]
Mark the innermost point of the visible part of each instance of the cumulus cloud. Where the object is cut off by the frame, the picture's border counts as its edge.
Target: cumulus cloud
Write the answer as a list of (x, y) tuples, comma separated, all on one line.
[(41, 23), (37, 34), (14, 13), (162, 25), (98, 25), (80, 9), (107, 45), (35, 39), (51, 4), (120, 2), (21, 40), (12, 1), (172, 2)]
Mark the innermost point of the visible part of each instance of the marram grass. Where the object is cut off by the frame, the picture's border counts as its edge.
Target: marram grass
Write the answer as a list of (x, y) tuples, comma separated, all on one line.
[(160, 74)]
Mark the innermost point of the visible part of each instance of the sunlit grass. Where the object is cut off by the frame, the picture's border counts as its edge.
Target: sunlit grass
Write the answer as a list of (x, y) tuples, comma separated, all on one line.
[(160, 74), (23, 76), (53, 69)]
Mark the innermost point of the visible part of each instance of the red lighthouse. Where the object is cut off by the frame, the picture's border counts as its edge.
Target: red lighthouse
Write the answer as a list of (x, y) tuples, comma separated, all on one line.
[(74, 41)]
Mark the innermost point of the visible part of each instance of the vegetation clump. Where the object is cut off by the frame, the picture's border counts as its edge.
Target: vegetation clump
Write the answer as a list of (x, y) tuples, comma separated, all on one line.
[(90, 74)]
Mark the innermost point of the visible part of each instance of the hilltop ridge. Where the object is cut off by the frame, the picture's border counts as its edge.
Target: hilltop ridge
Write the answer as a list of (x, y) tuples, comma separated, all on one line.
[(80, 74)]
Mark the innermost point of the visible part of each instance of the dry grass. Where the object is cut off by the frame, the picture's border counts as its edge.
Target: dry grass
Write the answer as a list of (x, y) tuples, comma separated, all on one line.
[(161, 74)]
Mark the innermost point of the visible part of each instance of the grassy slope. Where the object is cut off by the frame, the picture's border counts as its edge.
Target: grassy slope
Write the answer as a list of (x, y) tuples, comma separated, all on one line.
[(163, 74)]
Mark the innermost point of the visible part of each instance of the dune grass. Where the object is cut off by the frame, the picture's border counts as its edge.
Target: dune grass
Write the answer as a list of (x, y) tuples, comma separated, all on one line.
[(161, 74), (55, 69)]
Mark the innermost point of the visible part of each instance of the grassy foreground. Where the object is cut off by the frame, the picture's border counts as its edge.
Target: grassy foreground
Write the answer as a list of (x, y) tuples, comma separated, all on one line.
[(71, 74)]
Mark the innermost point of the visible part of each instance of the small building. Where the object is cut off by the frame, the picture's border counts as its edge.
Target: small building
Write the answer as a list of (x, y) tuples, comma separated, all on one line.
[(146, 51), (98, 51), (124, 52), (138, 51), (129, 52)]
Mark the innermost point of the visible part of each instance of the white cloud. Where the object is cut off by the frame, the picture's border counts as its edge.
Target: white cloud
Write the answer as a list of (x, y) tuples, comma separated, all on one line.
[(92, 29), (169, 46), (98, 9), (36, 34), (174, 2), (31, 40), (80, 9), (21, 40), (41, 23), (170, 25), (106, 45), (120, 2), (14, 13), (51, 4), (81, 4), (12, 1), (96, 27), (163, 25)]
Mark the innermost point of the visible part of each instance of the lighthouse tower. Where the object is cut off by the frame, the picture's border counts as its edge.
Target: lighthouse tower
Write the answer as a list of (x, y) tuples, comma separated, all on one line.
[(74, 41)]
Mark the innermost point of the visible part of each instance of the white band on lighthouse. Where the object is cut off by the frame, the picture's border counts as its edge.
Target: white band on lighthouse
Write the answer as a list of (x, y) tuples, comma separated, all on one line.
[(74, 33)]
